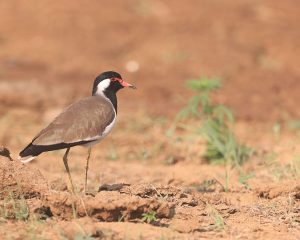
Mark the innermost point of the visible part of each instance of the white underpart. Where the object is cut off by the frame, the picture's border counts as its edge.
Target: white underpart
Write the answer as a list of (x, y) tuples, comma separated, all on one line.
[(26, 159), (100, 137), (100, 91)]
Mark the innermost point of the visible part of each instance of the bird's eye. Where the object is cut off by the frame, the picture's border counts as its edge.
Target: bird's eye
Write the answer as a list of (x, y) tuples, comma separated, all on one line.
[(116, 79)]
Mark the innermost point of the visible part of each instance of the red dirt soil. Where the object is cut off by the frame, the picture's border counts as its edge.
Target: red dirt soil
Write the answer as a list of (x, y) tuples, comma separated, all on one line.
[(50, 52)]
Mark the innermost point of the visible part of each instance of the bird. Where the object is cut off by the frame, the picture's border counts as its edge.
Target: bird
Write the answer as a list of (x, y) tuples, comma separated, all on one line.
[(83, 123)]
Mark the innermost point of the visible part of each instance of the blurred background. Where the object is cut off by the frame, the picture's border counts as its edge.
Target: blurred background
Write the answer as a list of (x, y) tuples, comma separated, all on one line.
[(50, 52)]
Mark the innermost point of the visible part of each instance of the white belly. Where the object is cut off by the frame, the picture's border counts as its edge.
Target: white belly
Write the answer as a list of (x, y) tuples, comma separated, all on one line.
[(106, 131)]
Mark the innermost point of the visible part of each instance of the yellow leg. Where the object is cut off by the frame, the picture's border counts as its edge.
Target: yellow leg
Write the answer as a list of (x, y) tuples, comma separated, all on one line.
[(65, 158), (86, 169)]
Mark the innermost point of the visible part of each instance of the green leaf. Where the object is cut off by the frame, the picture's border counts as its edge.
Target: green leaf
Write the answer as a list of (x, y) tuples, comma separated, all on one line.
[(204, 84)]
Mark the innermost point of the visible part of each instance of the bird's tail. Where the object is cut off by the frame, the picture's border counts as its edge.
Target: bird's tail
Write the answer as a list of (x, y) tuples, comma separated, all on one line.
[(28, 154)]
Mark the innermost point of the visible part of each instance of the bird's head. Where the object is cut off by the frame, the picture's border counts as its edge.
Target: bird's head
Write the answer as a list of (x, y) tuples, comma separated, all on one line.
[(109, 82)]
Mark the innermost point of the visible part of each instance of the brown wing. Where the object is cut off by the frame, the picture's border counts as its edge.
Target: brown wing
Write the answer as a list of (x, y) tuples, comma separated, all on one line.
[(85, 119)]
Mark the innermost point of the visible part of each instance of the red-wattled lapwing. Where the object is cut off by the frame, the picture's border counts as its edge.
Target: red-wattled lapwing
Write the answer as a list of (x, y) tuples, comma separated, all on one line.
[(84, 123)]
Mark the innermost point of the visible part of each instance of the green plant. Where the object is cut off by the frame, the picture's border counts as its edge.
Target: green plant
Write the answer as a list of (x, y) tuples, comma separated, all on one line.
[(208, 185), (243, 179), (295, 167), (287, 171), (14, 208), (277, 129), (143, 154), (270, 158), (227, 178), (112, 155), (149, 217), (294, 125), (222, 146), (33, 229), (203, 88), (217, 124), (217, 218), (74, 210)]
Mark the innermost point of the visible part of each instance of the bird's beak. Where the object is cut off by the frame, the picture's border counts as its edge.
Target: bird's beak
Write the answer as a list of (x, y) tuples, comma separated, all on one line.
[(126, 84)]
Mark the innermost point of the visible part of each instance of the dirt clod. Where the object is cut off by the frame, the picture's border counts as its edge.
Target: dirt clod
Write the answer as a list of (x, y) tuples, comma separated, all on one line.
[(5, 153), (275, 191), (20, 180), (106, 206), (112, 187)]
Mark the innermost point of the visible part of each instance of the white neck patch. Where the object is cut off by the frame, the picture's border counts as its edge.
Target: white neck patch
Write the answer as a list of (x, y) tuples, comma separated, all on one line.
[(102, 86)]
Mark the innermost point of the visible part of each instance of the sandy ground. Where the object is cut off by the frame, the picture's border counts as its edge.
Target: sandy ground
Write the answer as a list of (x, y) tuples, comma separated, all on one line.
[(49, 55)]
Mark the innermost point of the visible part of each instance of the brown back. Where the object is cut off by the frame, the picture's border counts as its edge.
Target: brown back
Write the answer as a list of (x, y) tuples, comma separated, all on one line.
[(82, 120)]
